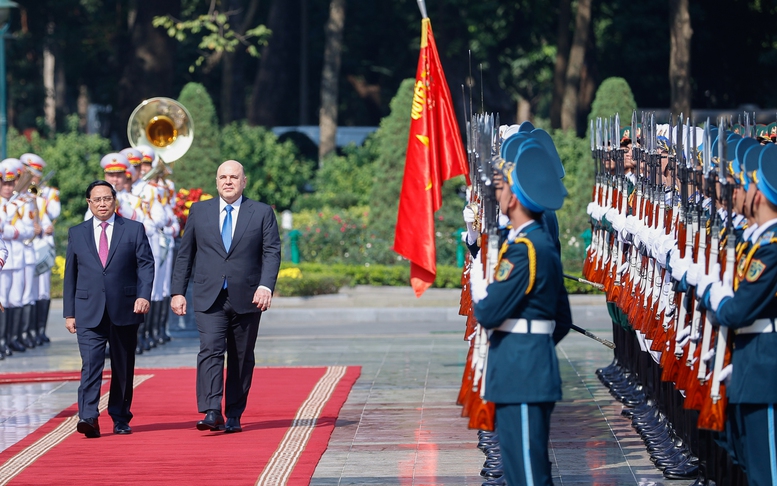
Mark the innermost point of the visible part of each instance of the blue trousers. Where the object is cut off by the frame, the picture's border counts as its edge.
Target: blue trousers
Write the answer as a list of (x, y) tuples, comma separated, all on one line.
[(753, 429), (524, 431)]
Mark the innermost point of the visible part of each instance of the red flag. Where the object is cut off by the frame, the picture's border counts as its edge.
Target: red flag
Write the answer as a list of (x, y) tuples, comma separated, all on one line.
[(435, 154)]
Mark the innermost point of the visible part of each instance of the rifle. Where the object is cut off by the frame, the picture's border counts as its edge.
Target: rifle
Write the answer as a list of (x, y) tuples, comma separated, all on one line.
[(713, 411), (481, 412)]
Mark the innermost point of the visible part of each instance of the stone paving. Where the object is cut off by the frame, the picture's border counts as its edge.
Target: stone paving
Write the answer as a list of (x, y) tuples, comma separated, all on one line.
[(400, 425)]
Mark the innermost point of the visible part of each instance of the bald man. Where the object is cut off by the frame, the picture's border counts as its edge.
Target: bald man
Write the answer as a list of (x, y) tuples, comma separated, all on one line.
[(232, 246)]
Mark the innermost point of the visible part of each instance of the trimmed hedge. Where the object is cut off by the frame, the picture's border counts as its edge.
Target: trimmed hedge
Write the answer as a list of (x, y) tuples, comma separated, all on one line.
[(448, 277)]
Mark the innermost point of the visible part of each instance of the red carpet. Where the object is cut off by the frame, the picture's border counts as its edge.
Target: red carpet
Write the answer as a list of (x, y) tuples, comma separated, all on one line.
[(290, 416)]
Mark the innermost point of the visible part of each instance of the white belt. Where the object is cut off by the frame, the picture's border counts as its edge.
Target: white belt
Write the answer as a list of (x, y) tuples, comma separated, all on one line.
[(759, 326), (527, 326)]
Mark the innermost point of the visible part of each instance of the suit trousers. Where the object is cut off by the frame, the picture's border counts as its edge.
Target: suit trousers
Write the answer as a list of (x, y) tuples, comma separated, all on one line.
[(91, 344), (524, 431), (222, 330)]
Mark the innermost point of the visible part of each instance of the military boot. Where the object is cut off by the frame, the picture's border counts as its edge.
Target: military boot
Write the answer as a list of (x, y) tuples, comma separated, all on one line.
[(4, 334), (3, 345), (15, 323), (165, 313), (42, 314), (27, 332)]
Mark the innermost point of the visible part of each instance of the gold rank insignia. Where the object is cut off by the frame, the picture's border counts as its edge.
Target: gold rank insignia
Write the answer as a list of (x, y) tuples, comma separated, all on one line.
[(741, 268), (503, 271), (755, 270)]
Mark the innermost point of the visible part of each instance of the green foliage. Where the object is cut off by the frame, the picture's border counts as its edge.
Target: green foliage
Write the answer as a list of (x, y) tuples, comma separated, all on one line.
[(333, 236), (311, 284), (198, 167), (613, 96), (276, 173), (448, 277), (217, 35), (575, 153), (343, 181)]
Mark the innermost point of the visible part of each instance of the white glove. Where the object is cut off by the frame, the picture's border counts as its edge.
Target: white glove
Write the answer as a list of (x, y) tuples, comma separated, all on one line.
[(9, 232), (707, 280), (664, 245), (673, 255), (477, 283), (611, 214), (694, 273), (719, 291), (624, 267), (469, 214), (591, 209), (632, 224), (680, 267), (725, 374), (618, 222)]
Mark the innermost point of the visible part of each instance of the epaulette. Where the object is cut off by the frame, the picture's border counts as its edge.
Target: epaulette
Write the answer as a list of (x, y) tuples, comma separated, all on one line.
[(766, 238)]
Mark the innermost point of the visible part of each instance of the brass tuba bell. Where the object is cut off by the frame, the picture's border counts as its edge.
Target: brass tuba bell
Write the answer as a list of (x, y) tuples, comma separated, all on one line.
[(165, 125)]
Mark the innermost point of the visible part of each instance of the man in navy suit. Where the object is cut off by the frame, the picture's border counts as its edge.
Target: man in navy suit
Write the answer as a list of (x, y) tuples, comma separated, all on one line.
[(232, 247), (109, 271)]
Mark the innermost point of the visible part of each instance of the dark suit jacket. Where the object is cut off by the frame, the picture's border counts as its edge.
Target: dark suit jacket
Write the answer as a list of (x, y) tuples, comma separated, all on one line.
[(254, 256), (90, 289)]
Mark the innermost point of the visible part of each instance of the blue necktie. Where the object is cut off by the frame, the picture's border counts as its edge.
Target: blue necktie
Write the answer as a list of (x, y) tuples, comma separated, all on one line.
[(226, 232)]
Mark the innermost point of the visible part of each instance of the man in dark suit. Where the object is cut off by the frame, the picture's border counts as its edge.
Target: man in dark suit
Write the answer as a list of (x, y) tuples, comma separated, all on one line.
[(232, 246), (109, 271)]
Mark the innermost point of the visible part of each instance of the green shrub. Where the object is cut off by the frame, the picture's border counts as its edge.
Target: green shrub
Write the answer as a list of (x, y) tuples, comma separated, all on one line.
[(340, 236), (613, 96), (276, 173), (572, 219), (343, 181), (198, 167), (311, 284)]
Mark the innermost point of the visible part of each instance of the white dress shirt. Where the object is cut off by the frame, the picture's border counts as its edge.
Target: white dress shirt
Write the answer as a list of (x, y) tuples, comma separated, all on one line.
[(98, 230)]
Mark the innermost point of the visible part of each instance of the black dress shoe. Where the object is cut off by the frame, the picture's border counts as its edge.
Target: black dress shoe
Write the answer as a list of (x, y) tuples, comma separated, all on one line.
[(213, 421), (89, 427), (233, 425), (685, 470), (500, 481), (122, 428), (496, 472)]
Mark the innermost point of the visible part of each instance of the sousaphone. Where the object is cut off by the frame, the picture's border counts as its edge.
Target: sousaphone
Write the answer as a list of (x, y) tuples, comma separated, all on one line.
[(165, 125)]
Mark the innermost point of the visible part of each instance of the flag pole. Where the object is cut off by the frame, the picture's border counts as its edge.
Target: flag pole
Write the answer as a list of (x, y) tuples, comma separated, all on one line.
[(422, 7)]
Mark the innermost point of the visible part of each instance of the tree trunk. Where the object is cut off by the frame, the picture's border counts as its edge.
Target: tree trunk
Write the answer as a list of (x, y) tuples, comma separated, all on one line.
[(569, 106), (562, 59), (83, 107), (680, 33), (270, 95), (150, 58), (330, 75), (524, 110), (232, 82), (589, 77), (49, 64)]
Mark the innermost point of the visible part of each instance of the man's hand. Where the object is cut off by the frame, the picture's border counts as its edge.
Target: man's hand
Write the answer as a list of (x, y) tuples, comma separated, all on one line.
[(141, 306), (262, 298), (49, 230), (36, 228), (178, 304), (70, 324)]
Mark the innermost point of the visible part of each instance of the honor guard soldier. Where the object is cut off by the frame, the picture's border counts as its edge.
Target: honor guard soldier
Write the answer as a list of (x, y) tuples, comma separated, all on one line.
[(167, 229), (155, 215), (748, 307), (49, 209), (31, 207), (520, 307), (17, 227)]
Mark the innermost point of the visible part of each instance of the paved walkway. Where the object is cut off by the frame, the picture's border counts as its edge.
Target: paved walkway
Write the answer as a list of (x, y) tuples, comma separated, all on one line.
[(400, 425)]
